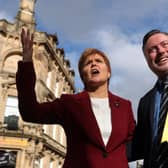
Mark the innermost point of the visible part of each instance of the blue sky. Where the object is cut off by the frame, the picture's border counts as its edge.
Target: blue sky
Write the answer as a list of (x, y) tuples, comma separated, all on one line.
[(115, 26)]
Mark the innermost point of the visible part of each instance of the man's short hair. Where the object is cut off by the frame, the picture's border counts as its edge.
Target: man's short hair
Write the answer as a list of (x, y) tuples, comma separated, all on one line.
[(148, 35)]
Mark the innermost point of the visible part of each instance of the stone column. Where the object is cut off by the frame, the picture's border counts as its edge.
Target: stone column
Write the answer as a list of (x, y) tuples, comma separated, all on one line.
[(3, 98), (46, 160), (20, 160)]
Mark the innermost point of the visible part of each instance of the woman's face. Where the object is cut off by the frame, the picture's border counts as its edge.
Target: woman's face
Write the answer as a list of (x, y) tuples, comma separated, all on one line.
[(95, 71)]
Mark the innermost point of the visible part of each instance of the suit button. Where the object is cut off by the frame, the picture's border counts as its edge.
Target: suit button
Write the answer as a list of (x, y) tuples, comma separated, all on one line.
[(105, 154)]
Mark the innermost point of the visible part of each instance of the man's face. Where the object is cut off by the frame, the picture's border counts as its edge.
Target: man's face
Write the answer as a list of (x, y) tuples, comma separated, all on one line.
[(156, 53)]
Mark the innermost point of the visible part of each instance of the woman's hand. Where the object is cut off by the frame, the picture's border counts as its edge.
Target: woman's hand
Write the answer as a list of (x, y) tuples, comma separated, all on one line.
[(27, 44)]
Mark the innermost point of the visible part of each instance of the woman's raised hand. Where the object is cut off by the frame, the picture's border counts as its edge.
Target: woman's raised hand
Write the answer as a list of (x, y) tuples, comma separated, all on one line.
[(27, 44)]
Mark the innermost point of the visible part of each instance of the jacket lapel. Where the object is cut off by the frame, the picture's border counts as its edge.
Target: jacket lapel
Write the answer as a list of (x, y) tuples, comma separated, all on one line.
[(88, 120), (150, 104), (115, 106), (151, 101), (90, 125)]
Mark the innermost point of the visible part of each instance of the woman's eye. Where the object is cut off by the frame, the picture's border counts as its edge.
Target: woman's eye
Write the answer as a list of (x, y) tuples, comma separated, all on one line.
[(87, 63), (98, 60)]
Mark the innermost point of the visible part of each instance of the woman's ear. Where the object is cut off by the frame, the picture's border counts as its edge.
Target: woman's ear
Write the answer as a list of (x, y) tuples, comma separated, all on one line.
[(109, 74)]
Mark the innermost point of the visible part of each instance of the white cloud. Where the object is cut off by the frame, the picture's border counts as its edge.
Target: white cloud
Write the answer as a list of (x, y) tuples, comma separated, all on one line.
[(76, 18), (115, 26), (131, 77)]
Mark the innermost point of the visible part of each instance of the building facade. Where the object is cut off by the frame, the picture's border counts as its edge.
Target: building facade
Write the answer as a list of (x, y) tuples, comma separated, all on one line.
[(25, 144)]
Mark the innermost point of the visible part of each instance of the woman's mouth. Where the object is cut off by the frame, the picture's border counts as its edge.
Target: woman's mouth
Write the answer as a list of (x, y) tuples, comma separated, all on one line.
[(94, 71)]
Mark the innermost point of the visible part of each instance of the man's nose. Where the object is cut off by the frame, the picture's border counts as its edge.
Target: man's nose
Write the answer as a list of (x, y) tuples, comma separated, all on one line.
[(160, 49)]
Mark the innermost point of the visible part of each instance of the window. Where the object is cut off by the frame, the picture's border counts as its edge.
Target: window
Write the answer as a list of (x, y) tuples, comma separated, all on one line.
[(11, 106), (8, 159)]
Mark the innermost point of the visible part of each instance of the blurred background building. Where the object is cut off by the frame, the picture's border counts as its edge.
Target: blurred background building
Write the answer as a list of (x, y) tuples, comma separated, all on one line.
[(24, 144)]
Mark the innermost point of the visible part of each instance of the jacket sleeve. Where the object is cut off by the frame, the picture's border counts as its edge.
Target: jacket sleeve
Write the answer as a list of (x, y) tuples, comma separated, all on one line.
[(131, 129), (138, 139), (131, 122), (30, 109)]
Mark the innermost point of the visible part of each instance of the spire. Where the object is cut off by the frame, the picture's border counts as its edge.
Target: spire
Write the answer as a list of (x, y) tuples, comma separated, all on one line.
[(25, 16)]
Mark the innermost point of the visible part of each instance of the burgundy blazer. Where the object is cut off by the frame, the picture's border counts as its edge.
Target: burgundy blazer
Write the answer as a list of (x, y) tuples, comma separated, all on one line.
[(85, 146)]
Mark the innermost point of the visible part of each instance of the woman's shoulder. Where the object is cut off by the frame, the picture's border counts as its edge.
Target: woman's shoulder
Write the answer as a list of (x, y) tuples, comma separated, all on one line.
[(118, 97), (75, 95)]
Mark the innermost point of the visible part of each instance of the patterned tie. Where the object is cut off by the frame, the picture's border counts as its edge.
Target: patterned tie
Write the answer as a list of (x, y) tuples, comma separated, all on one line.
[(163, 110), (159, 157)]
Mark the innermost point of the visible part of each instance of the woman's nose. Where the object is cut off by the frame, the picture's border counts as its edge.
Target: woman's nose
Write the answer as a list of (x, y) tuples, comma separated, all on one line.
[(93, 63)]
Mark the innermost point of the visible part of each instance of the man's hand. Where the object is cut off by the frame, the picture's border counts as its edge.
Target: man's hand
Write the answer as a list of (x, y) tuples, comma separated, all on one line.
[(27, 44)]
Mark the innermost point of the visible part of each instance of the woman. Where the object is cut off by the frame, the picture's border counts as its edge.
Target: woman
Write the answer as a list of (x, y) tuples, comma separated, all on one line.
[(97, 123)]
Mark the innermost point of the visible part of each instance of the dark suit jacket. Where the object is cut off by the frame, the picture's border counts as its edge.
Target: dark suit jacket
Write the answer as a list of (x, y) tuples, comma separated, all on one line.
[(85, 147), (142, 141)]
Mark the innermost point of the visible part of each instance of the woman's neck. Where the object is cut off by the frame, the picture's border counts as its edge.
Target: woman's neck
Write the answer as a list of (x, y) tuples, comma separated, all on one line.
[(100, 92)]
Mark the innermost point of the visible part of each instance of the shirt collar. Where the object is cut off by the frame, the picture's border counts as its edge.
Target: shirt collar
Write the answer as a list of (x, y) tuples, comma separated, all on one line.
[(161, 83)]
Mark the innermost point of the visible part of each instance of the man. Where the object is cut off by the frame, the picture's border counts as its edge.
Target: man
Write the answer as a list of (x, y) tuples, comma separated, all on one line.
[(148, 143)]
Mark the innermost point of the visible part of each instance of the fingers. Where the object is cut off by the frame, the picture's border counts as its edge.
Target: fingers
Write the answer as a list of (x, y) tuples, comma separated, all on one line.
[(22, 36), (27, 39), (32, 37), (27, 44)]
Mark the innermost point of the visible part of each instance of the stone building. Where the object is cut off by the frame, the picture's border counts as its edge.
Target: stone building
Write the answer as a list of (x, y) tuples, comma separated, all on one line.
[(24, 144)]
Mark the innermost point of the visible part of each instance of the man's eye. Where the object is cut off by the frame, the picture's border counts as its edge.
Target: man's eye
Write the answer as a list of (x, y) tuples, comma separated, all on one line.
[(165, 44), (152, 50)]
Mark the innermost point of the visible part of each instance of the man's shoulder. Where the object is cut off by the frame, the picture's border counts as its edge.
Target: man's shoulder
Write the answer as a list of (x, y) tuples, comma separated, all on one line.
[(149, 93)]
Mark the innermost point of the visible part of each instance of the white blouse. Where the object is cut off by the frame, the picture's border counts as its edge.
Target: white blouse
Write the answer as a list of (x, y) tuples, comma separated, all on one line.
[(102, 112)]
